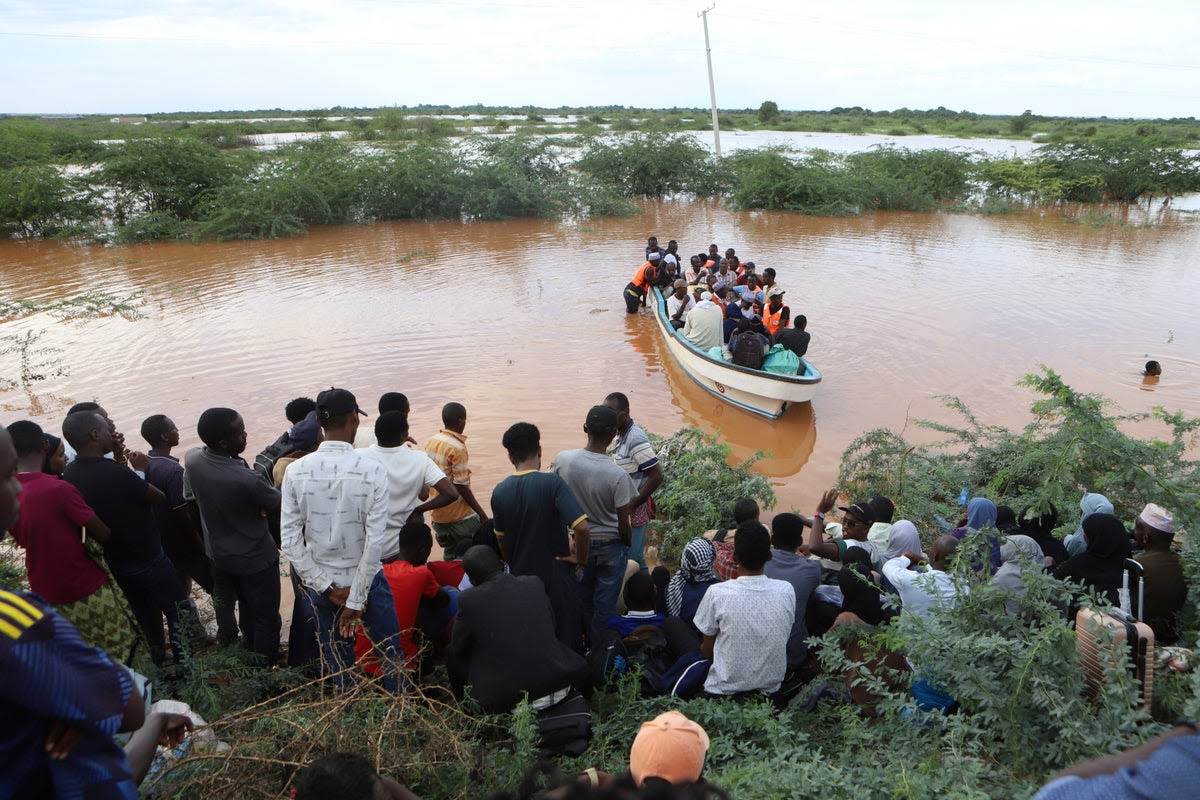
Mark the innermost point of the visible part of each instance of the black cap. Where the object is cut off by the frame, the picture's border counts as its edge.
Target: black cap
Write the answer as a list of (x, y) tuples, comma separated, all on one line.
[(335, 402), (860, 510), (601, 420)]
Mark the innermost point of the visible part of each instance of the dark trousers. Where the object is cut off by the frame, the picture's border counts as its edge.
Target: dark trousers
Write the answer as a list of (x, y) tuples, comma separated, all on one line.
[(258, 608), (154, 592), (633, 298), (225, 602), (681, 637)]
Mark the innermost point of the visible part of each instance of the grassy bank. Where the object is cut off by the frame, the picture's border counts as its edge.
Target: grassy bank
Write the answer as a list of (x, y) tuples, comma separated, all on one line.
[(1023, 714)]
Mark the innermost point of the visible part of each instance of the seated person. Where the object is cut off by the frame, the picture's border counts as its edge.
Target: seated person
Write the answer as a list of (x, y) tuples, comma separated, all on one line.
[(504, 645), (786, 564), (747, 347), (922, 587), (725, 567), (750, 289), (639, 599), (679, 303), (795, 339), (411, 582), (856, 525), (747, 622), (1162, 572)]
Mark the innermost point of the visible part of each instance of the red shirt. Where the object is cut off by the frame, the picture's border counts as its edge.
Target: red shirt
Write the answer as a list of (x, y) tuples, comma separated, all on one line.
[(52, 514), (448, 573), (409, 584)]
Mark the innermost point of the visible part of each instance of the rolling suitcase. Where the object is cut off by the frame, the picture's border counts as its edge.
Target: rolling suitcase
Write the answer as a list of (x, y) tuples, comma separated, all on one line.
[(1132, 641)]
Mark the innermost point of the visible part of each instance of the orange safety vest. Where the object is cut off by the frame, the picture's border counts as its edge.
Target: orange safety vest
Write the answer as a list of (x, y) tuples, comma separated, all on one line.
[(771, 320), (644, 277)]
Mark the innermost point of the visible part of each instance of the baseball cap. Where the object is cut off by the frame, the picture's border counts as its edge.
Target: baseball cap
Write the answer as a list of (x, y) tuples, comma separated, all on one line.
[(862, 510), (670, 747), (670, 259), (774, 291), (655, 256), (334, 402)]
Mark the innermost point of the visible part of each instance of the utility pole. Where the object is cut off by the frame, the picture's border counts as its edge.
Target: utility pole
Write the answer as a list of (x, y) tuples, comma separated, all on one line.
[(712, 87)]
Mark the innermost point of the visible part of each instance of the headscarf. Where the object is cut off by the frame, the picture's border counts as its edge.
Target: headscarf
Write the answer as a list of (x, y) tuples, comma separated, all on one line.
[(1091, 503), (1018, 553), (902, 537), (52, 445), (1101, 565), (695, 566), (860, 595), (981, 513)]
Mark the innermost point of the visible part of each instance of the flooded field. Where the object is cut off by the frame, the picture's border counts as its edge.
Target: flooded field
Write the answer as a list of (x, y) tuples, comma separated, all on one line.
[(523, 320)]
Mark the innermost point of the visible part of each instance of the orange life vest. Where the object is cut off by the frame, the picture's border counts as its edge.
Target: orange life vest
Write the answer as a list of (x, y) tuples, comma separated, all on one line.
[(772, 320), (644, 277)]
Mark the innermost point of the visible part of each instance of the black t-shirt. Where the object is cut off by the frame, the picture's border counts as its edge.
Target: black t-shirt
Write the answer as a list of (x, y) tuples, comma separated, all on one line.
[(794, 340), (118, 496)]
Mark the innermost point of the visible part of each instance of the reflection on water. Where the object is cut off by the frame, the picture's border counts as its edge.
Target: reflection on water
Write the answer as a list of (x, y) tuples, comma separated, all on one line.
[(523, 320)]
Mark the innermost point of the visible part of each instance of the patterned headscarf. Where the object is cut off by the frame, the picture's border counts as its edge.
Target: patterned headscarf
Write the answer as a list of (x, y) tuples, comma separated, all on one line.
[(696, 566)]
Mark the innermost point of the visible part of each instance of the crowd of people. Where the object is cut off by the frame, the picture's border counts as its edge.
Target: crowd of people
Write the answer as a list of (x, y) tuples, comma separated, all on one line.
[(722, 305), (529, 601)]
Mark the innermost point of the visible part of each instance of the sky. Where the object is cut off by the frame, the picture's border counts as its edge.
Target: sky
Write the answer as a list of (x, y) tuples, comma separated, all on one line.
[(1054, 57)]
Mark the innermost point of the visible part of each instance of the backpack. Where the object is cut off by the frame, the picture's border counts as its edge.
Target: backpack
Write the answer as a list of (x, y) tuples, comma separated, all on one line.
[(608, 659), (565, 728), (782, 361), (613, 656), (264, 462), (747, 351)]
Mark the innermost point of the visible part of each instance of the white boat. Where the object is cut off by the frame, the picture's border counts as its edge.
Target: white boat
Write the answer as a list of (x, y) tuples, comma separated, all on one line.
[(767, 394)]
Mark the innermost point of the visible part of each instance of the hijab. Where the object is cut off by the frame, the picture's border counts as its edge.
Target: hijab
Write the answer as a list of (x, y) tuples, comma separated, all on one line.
[(695, 566), (1018, 553), (981, 513), (1092, 503), (1101, 565), (902, 537)]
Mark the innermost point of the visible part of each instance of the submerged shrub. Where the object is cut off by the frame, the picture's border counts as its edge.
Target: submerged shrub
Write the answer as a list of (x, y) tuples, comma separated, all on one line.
[(166, 174), (517, 176), (649, 164), (39, 201)]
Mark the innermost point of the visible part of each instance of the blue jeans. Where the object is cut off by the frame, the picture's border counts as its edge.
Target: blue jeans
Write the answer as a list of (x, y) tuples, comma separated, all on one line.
[(379, 618), (637, 543), (602, 577)]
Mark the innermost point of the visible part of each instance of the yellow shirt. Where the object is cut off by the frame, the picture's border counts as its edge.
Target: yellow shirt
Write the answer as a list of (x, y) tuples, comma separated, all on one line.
[(448, 450)]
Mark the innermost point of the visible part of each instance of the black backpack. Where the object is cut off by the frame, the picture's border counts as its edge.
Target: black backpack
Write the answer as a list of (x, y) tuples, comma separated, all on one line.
[(747, 350), (264, 462)]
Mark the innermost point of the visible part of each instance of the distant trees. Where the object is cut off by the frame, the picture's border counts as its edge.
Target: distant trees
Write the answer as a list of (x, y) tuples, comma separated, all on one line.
[(768, 112)]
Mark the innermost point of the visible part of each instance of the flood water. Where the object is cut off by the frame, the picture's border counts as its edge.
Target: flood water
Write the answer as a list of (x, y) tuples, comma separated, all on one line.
[(523, 320)]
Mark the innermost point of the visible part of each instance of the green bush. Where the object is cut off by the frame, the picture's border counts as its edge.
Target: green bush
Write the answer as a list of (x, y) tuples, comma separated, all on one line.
[(649, 164), (166, 174), (39, 201)]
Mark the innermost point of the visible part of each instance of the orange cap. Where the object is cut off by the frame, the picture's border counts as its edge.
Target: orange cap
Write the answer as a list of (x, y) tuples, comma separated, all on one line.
[(671, 747)]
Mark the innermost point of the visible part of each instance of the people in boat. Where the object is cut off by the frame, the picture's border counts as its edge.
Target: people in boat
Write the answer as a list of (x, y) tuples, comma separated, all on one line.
[(667, 272), (795, 339), (725, 275), (640, 283), (696, 270), (746, 271), (747, 346), (776, 315), (652, 247), (705, 325), (679, 303), (750, 289), (766, 281)]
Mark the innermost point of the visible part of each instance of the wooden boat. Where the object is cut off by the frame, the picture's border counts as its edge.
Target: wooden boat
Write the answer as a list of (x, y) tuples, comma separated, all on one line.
[(767, 394)]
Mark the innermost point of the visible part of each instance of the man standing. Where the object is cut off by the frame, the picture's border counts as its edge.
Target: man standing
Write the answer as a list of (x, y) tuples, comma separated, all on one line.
[(533, 511), (605, 491), (332, 525), (410, 473), (455, 524), (234, 501), (133, 551), (1166, 586), (639, 285), (633, 453), (705, 325)]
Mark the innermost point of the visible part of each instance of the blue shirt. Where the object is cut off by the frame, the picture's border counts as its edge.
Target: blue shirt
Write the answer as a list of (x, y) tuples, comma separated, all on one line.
[(48, 673)]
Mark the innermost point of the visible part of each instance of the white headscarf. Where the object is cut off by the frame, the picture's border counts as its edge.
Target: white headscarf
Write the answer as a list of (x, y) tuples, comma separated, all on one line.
[(1018, 554), (903, 537)]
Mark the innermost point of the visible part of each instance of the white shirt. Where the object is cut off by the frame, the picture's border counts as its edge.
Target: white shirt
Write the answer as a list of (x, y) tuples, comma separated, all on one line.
[(673, 304), (920, 591), (752, 620), (408, 471), (334, 519)]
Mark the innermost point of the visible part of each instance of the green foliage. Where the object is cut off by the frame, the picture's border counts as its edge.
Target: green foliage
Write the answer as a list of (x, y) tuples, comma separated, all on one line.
[(700, 487), (39, 201), (650, 165), (26, 142), (166, 175), (419, 182), (517, 176), (768, 112)]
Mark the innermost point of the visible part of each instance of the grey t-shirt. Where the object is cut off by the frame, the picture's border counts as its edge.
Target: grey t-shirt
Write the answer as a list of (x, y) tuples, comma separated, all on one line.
[(804, 576), (232, 498), (599, 485)]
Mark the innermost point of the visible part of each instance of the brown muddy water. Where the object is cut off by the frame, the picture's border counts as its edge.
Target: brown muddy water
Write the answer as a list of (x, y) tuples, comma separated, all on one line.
[(523, 320)]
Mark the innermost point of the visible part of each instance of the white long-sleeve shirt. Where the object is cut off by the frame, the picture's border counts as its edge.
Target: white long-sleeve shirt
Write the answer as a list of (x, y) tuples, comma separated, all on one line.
[(920, 591), (333, 519)]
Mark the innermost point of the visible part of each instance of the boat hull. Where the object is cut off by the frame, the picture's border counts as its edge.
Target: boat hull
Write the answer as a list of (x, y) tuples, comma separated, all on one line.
[(766, 394)]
